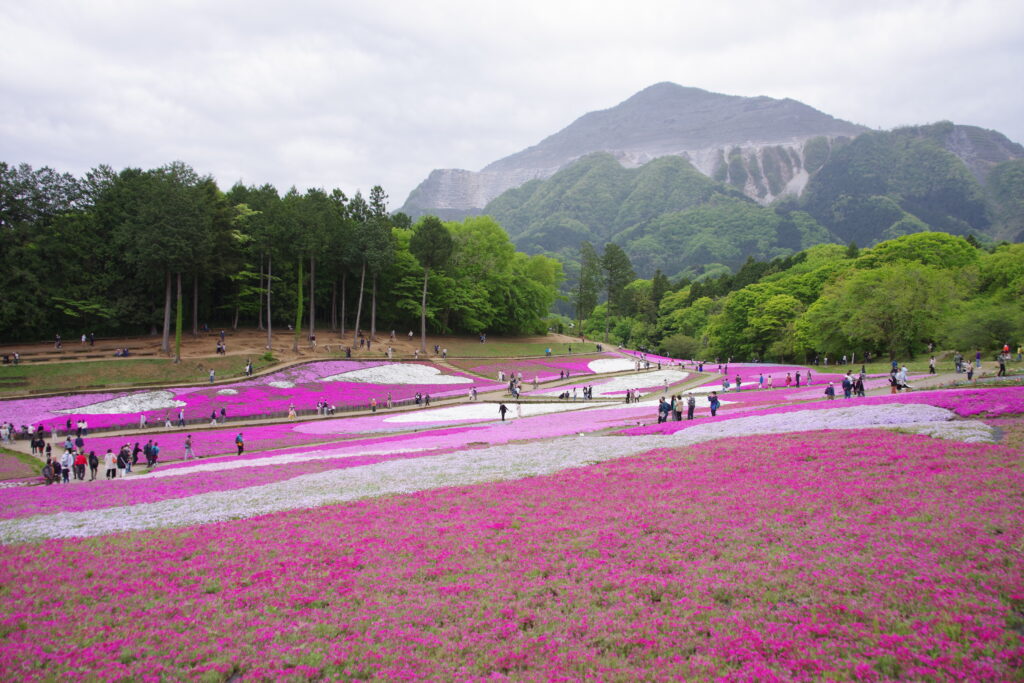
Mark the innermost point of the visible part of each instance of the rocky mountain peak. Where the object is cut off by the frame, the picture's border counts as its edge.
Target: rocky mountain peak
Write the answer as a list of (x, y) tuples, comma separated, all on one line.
[(708, 129)]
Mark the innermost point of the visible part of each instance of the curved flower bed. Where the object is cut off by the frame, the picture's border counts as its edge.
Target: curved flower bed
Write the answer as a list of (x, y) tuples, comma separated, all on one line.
[(460, 467), (302, 386), (543, 369), (963, 402), (852, 555), (653, 380)]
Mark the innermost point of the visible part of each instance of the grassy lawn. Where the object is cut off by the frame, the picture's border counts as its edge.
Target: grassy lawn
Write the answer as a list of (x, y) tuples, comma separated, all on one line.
[(510, 348), (15, 465), (100, 374)]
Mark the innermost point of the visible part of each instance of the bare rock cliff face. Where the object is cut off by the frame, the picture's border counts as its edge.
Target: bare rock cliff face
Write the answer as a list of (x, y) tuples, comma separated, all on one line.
[(760, 145)]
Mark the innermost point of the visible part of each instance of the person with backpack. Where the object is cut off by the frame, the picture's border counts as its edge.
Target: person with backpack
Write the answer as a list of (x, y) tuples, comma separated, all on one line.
[(66, 461), (240, 443), (663, 408), (122, 464), (715, 403), (94, 464)]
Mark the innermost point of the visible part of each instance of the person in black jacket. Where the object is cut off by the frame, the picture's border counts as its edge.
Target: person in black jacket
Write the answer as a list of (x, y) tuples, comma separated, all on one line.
[(122, 463), (94, 464)]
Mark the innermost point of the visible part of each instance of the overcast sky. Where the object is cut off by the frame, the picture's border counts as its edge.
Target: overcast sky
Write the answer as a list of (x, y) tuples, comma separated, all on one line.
[(349, 95)]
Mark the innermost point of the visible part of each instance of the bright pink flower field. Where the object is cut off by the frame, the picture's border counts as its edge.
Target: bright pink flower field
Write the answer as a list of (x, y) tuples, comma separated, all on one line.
[(855, 555)]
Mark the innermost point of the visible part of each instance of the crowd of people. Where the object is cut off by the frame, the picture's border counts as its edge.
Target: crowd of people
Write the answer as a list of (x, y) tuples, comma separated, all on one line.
[(72, 463)]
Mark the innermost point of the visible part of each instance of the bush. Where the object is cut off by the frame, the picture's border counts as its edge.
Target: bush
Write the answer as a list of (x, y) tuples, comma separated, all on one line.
[(681, 346)]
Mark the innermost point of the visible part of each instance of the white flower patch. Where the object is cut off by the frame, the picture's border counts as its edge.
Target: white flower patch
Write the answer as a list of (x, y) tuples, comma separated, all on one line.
[(274, 460), (484, 411), (618, 385), (399, 373), (130, 403), (611, 365), (228, 392), (461, 468), (281, 384), (913, 417), (968, 431)]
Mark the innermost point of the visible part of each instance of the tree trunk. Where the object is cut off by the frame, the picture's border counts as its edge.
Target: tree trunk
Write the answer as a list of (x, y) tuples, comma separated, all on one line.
[(373, 308), (177, 324), (298, 312), (234, 324), (195, 306), (344, 279), (579, 317), (165, 343), (334, 304), (359, 307), (259, 287), (607, 315), (423, 313), (270, 326), (312, 299)]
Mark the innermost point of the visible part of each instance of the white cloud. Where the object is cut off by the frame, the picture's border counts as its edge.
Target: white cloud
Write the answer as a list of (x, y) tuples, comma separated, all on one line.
[(351, 95)]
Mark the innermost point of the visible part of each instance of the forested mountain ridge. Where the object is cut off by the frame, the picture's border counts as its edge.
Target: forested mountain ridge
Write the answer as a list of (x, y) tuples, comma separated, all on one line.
[(756, 143), (666, 214), (669, 216)]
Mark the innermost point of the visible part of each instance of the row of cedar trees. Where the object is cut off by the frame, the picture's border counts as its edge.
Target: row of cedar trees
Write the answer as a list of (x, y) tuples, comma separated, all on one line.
[(174, 224)]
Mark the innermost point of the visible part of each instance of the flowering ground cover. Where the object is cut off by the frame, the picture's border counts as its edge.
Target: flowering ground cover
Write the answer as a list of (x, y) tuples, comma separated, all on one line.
[(102, 494), (862, 554), (542, 368), (342, 383), (13, 467), (964, 402), (617, 386), (508, 457), (1011, 430)]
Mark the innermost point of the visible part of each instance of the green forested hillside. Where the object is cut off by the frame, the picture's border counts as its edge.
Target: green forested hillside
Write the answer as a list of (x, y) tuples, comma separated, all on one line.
[(891, 300), (1006, 196), (884, 184), (666, 214), (118, 252), (670, 217)]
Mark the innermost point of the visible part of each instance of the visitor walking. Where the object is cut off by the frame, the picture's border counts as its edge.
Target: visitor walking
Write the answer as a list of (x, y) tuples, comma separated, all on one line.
[(109, 462), (188, 448), (239, 443), (502, 410), (691, 405), (94, 464)]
